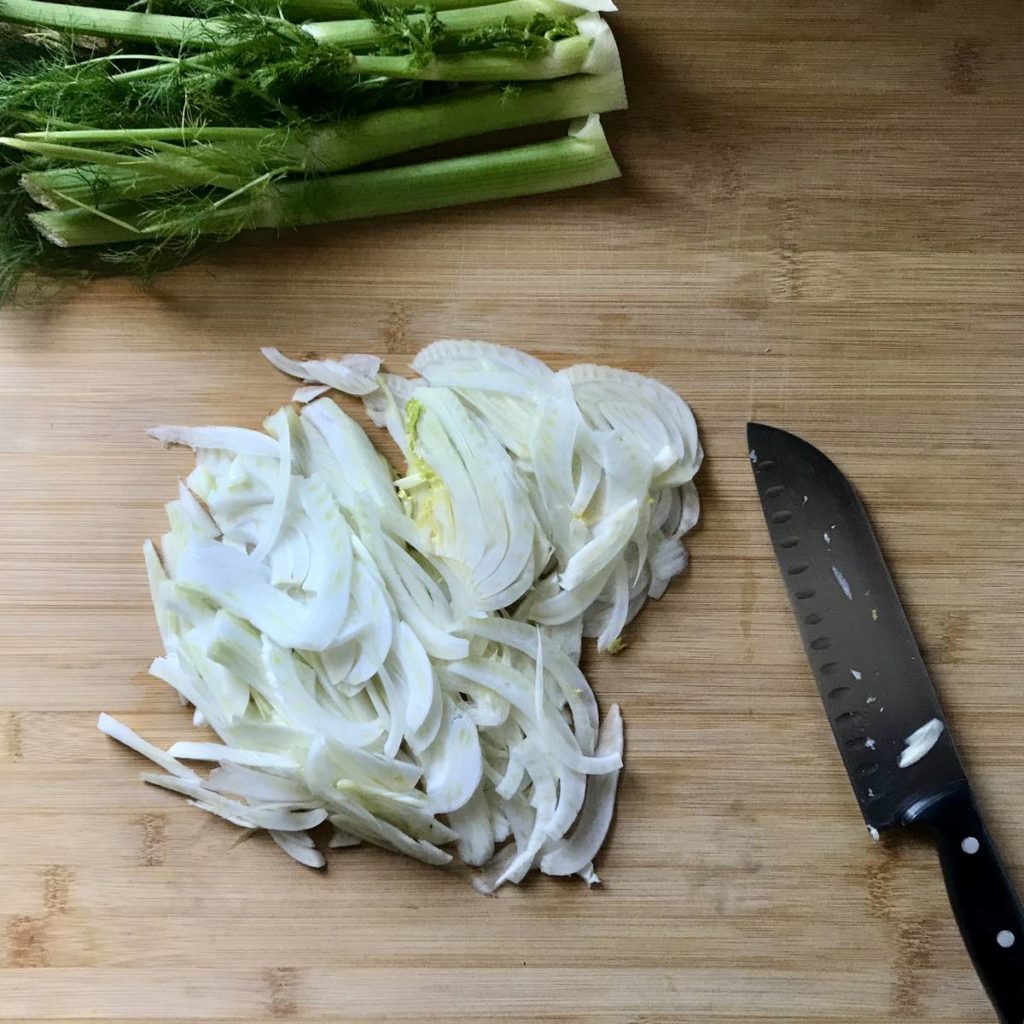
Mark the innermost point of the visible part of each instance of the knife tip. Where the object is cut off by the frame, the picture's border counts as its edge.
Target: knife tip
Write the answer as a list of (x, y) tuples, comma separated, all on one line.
[(756, 430)]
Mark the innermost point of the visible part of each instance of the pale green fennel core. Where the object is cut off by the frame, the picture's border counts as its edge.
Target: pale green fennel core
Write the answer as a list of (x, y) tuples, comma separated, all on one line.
[(422, 468), (423, 493), (617, 645), (413, 411)]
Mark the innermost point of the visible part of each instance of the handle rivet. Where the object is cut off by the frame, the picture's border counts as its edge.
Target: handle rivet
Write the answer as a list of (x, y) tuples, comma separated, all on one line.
[(970, 845), (1006, 939)]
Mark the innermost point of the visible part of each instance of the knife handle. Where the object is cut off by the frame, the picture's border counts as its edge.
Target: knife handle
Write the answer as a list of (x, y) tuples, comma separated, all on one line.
[(986, 907)]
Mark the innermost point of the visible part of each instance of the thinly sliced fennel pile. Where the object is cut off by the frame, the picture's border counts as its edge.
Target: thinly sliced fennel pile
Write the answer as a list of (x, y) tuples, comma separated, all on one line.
[(399, 657)]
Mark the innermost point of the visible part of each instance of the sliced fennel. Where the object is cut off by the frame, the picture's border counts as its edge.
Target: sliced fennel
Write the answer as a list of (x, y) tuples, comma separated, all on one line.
[(397, 658)]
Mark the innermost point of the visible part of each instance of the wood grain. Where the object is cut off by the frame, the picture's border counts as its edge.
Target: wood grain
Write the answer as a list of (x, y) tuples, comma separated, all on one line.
[(820, 226)]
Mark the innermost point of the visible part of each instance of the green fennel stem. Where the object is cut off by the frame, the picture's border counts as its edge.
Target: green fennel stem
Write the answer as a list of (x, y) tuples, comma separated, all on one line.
[(361, 33), (62, 151), (388, 132), (112, 24), (338, 10), (330, 148), (564, 57), (209, 33), (131, 136), (580, 159), (161, 68), (67, 187)]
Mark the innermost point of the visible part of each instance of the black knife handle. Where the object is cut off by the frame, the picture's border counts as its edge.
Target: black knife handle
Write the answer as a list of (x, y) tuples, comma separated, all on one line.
[(987, 908)]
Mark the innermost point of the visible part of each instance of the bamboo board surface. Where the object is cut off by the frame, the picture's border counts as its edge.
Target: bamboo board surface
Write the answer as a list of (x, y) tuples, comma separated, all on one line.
[(820, 227)]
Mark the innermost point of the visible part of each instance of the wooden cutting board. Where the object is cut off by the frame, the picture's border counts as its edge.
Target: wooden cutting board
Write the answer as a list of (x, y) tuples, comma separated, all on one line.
[(820, 226)]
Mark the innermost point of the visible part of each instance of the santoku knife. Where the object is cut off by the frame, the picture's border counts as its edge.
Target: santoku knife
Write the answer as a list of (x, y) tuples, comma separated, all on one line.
[(879, 699)]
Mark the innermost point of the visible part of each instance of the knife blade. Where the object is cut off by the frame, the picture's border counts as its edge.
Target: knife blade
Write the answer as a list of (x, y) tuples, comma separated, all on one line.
[(879, 698), (870, 673)]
